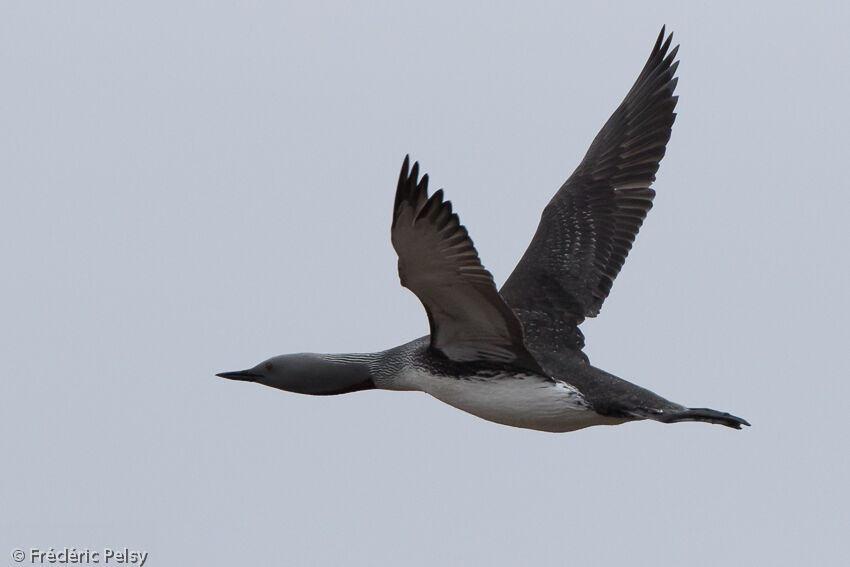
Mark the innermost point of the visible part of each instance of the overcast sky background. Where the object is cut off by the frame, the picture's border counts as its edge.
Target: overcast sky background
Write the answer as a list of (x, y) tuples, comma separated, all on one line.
[(189, 188)]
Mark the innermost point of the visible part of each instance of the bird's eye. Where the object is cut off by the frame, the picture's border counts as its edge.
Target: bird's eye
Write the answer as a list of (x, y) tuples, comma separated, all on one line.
[(269, 367)]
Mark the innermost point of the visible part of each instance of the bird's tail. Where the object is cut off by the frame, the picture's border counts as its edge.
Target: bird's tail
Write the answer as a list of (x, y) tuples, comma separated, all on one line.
[(702, 414)]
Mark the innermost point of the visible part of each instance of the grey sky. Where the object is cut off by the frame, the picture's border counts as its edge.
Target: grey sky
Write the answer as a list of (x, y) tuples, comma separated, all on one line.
[(190, 188)]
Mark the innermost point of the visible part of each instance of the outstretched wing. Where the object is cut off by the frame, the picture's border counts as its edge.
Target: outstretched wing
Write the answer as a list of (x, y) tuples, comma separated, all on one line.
[(438, 262), (587, 229)]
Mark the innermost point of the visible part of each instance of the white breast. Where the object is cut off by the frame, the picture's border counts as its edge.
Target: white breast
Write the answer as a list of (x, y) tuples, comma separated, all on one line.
[(528, 401)]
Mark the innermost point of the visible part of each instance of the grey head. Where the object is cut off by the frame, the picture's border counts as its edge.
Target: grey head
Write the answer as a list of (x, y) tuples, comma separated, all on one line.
[(309, 373)]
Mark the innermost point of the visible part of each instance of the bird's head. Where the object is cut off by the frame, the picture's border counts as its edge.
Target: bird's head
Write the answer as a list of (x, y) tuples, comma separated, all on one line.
[(308, 373)]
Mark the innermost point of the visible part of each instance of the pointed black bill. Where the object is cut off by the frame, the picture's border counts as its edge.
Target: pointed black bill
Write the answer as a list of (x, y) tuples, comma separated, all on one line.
[(244, 375)]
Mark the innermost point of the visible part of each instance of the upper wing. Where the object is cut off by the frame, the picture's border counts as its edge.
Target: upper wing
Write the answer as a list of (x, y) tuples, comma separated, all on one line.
[(438, 262), (587, 229)]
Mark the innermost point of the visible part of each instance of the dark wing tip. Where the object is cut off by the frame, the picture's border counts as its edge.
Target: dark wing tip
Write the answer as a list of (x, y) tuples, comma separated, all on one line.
[(659, 56), (431, 206), (662, 42), (411, 192), (401, 187), (409, 184), (660, 38), (405, 167), (667, 43), (706, 415), (672, 55)]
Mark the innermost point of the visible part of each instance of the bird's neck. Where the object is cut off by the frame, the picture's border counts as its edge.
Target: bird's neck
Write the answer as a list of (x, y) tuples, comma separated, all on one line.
[(332, 374)]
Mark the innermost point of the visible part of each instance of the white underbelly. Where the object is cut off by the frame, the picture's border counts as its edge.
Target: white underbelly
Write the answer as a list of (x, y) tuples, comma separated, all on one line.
[(529, 402)]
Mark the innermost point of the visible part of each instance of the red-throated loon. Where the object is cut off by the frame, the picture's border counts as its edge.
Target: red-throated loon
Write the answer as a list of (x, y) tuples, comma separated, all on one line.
[(515, 356)]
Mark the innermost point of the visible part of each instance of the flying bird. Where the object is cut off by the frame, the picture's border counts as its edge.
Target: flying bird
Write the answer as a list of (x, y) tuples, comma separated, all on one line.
[(514, 356)]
